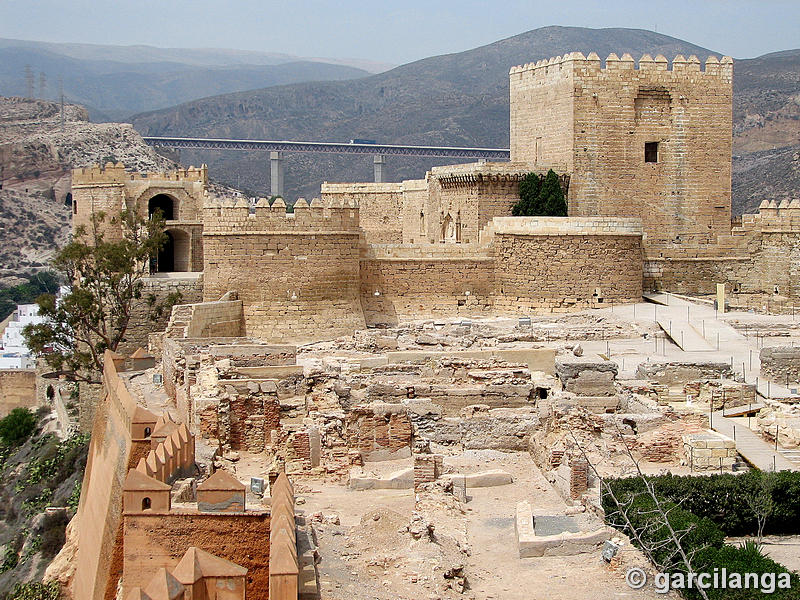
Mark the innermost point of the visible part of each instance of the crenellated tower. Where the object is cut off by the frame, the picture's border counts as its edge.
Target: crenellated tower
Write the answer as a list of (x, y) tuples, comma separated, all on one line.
[(651, 140)]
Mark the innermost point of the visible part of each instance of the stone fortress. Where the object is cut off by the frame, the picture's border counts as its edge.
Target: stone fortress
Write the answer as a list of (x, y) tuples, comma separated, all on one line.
[(644, 154), (301, 345)]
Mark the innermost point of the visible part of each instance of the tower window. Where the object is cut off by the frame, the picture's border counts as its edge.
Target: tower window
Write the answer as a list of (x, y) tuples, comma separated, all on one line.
[(651, 152)]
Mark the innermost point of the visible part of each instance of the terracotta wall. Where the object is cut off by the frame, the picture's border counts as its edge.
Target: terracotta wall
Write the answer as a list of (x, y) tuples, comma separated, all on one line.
[(160, 540), (100, 509)]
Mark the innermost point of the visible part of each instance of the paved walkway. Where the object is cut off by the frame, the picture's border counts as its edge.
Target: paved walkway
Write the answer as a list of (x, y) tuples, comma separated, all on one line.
[(699, 335), (696, 328), (755, 450), (684, 335)]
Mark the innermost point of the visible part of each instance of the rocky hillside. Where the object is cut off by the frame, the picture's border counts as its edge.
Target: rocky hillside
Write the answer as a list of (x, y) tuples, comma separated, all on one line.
[(766, 115), (43, 472), (36, 157), (455, 99)]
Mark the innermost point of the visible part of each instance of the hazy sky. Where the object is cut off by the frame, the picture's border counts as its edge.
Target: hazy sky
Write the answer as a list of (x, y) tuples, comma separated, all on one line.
[(395, 31)]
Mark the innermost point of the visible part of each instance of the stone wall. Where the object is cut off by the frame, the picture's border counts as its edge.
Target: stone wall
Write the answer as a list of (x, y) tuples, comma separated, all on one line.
[(415, 212), (411, 283), (380, 207), (379, 431), (463, 199), (143, 322), (560, 264), (506, 429), (709, 451), (297, 274), (17, 389), (781, 364), (215, 319), (453, 399), (570, 114)]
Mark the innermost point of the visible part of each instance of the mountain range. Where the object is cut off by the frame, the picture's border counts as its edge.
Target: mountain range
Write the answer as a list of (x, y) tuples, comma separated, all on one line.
[(460, 100), (114, 82)]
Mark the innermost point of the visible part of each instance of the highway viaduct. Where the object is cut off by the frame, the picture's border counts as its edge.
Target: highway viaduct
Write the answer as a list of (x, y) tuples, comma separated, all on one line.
[(277, 150)]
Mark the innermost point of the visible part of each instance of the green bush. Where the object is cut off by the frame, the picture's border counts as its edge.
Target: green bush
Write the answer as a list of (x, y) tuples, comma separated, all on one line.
[(55, 464), (35, 591), (75, 497), (528, 204), (552, 196), (724, 499), (710, 507), (17, 426), (695, 532), (747, 559)]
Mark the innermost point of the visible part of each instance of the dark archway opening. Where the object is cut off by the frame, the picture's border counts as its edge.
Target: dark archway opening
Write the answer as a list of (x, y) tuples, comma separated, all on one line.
[(166, 256), (163, 203), (50, 393), (146, 504)]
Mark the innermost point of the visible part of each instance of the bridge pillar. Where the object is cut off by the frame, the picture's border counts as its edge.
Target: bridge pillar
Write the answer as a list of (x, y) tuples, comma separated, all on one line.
[(379, 163), (276, 174)]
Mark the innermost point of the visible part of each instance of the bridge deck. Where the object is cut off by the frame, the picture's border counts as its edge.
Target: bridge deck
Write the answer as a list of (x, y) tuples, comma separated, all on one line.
[(500, 154)]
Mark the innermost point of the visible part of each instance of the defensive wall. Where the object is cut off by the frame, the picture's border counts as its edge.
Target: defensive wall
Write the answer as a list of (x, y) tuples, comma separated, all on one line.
[(113, 450), (297, 274), (380, 207), (646, 140), (602, 255), (760, 255)]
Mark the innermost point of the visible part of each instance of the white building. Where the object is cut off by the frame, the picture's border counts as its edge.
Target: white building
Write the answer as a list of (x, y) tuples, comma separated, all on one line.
[(14, 353)]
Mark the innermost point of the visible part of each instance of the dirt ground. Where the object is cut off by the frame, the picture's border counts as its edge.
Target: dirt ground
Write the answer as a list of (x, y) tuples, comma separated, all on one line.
[(370, 555)]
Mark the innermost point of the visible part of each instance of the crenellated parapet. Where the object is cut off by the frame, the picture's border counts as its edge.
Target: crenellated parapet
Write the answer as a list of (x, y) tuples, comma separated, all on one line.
[(110, 173), (115, 173), (234, 217), (774, 216), (562, 66)]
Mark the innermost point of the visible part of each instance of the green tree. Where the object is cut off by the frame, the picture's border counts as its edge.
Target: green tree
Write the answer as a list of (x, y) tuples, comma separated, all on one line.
[(107, 273), (528, 204), (540, 198), (551, 196), (17, 426)]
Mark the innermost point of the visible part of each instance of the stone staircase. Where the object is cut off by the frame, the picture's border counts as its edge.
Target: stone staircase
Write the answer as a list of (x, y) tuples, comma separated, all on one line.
[(179, 321)]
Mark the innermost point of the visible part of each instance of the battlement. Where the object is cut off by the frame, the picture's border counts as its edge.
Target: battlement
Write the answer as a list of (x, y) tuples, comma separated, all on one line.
[(782, 216), (115, 173), (226, 216), (562, 66)]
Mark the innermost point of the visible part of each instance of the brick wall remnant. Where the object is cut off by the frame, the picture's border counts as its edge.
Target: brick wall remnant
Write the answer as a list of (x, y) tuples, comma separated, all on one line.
[(427, 468)]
